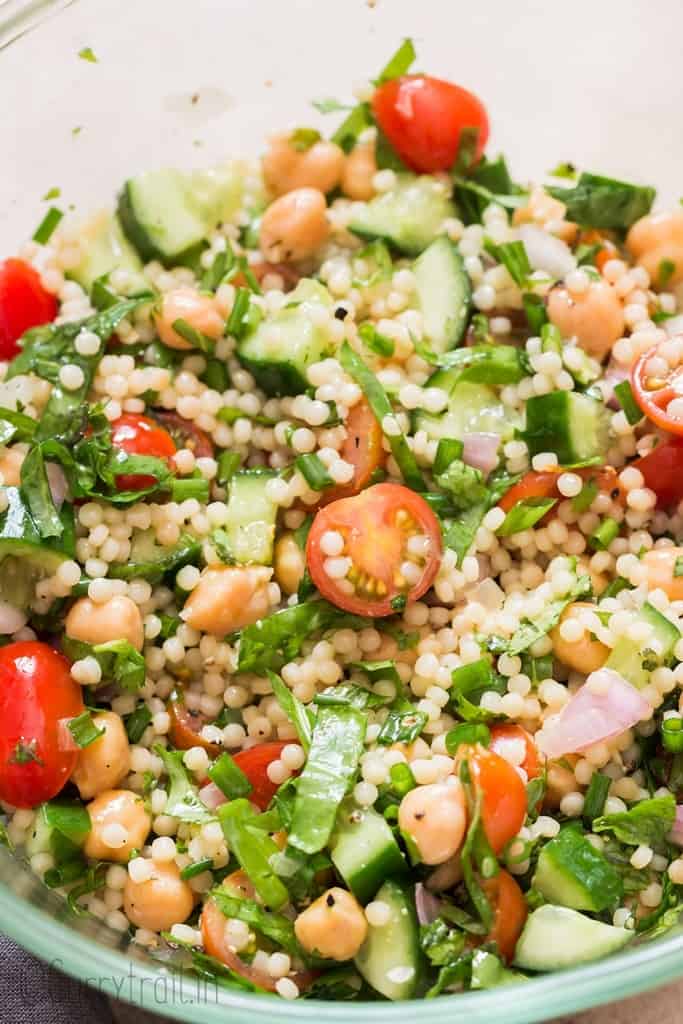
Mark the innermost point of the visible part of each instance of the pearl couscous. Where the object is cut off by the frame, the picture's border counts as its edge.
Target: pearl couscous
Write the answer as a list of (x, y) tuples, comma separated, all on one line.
[(341, 591)]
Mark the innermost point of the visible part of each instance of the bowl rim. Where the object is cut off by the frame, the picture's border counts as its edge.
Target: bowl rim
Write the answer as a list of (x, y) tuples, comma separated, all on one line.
[(134, 981)]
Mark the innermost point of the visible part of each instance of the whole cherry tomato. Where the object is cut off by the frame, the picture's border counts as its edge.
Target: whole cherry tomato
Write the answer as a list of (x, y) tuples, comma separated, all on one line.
[(37, 698), (424, 118), (24, 303)]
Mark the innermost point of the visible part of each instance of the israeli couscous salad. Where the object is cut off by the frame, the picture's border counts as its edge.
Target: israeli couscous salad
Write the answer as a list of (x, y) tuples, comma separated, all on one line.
[(340, 589)]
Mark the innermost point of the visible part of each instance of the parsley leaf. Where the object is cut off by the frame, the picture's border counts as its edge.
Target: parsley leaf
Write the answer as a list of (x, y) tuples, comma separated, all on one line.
[(647, 823), (601, 202)]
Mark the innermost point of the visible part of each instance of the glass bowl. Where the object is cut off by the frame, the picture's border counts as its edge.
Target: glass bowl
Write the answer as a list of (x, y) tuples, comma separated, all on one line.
[(189, 84)]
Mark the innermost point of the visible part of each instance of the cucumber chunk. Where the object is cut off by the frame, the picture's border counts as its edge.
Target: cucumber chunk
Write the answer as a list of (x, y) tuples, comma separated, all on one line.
[(635, 661), (409, 216), (389, 959), (574, 426), (571, 872), (280, 350), (106, 248), (167, 214), (472, 408), (364, 850), (557, 937), (250, 526), (444, 294)]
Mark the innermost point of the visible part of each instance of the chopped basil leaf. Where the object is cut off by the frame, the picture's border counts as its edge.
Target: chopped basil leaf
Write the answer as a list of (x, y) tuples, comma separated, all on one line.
[(299, 715), (532, 630), (276, 927), (118, 660), (137, 722), (466, 733), (647, 823), (183, 800), (254, 850), (600, 202)]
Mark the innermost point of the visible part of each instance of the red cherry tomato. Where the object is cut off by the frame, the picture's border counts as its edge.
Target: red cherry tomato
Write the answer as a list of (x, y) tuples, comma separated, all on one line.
[(658, 389), (24, 303), (376, 526), (213, 923), (544, 485), (36, 694), (424, 117), (186, 727), (503, 733), (185, 434), (510, 912), (362, 448), (662, 469), (503, 795), (139, 435), (254, 763)]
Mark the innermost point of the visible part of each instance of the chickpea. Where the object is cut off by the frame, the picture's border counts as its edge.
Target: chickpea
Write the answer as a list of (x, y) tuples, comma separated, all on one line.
[(656, 241), (199, 311), (585, 655), (435, 818), (560, 782), (289, 562), (116, 807), (118, 618), (11, 460), (543, 209), (359, 170), (106, 762), (660, 564), (595, 318), (160, 902), (285, 167), (334, 926), (228, 598), (294, 226)]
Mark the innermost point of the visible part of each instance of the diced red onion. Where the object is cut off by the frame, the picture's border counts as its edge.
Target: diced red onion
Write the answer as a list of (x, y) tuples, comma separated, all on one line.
[(546, 252), (212, 796), (676, 835), (604, 707), (11, 619), (427, 905), (615, 374), (57, 482), (65, 739), (481, 451)]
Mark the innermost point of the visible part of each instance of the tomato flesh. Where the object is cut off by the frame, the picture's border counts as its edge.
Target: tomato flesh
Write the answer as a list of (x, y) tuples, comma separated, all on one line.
[(658, 388), (544, 485), (502, 734), (139, 435), (186, 727), (215, 942), (376, 526), (254, 763), (24, 303), (185, 434), (504, 806), (424, 117), (662, 469), (37, 693), (362, 448), (510, 912)]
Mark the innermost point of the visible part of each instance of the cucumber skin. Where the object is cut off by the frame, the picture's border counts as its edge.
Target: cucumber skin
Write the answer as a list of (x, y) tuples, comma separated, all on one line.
[(276, 379), (143, 244), (560, 864), (549, 930), (366, 880), (549, 426)]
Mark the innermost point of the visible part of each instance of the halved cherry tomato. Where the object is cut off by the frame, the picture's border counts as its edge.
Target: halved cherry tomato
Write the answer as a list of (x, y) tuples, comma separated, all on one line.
[(215, 943), (24, 303), (510, 912), (500, 734), (662, 469), (185, 434), (656, 386), (376, 526), (504, 807), (544, 484), (186, 727), (424, 117), (139, 435), (362, 448), (254, 763), (37, 693)]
